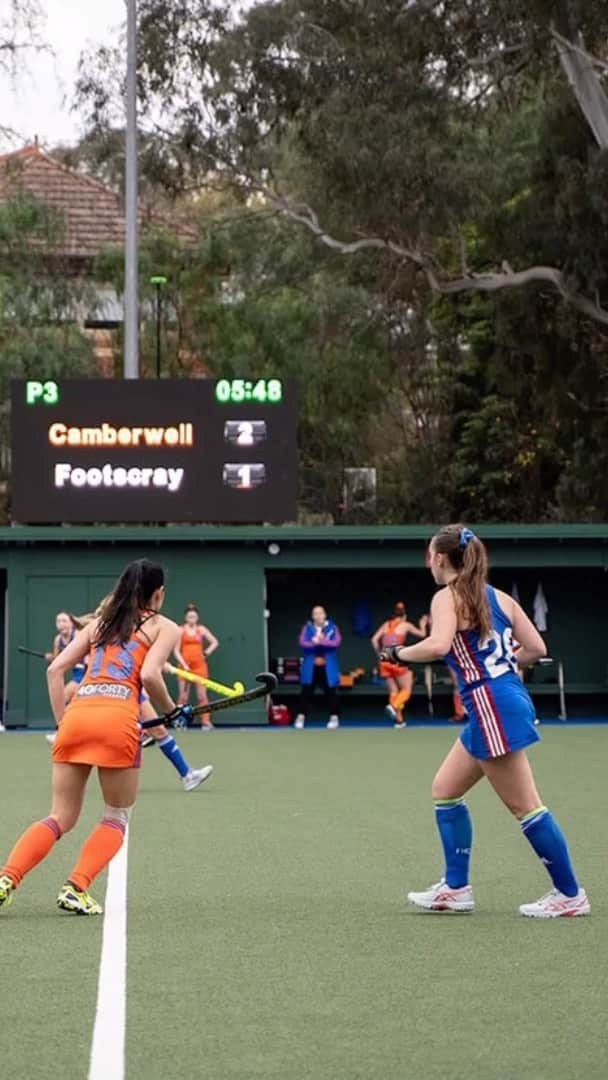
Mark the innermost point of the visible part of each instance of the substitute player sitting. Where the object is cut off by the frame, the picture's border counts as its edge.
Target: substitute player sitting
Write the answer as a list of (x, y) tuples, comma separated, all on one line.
[(196, 643), (473, 627), (399, 677), (127, 647)]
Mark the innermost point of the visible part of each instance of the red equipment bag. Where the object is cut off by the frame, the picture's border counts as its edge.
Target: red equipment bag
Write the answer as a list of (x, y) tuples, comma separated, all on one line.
[(279, 714)]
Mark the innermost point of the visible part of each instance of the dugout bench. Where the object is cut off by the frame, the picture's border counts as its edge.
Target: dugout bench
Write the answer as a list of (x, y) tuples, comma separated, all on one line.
[(434, 684)]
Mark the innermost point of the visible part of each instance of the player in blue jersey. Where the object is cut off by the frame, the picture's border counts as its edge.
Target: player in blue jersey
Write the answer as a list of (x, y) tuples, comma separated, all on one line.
[(67, 627), (474, 628)]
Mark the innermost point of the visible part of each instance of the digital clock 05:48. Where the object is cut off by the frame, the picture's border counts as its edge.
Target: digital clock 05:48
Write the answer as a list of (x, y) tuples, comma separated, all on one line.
[(235, 391)]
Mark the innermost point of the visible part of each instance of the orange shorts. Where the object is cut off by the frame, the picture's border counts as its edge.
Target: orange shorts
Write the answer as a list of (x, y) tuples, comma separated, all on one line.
[(392, 671), (102, 735), (198, 665)]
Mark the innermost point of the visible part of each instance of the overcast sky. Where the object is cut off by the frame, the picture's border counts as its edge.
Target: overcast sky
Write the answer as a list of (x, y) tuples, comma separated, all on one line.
[(38, 101)]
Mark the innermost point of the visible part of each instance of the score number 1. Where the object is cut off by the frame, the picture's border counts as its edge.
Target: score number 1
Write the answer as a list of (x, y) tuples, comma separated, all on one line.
[(244, 477)]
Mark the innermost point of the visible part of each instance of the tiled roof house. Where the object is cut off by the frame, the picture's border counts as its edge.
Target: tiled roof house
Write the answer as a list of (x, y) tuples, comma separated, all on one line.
[(92, 215)]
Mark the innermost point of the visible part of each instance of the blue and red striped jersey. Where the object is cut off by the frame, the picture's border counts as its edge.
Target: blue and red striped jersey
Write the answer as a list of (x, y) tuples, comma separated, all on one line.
[(475, 660)]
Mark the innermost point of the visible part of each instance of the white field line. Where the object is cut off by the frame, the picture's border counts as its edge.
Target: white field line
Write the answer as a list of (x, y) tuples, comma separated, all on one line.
[(108, 1046)]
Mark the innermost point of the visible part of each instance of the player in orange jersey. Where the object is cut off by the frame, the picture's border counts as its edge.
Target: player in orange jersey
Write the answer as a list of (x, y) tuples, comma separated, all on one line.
[(127, 647), (191, 654), (161, 736), (399, 679)]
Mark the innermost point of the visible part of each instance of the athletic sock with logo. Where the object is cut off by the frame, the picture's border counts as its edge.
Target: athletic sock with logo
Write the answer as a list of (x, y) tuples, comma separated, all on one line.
[(456, 832), (549, 843), (172, 752)]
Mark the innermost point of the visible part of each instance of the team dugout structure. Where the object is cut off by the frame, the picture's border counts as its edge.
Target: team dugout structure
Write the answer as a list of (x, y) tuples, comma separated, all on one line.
[(256, 584)]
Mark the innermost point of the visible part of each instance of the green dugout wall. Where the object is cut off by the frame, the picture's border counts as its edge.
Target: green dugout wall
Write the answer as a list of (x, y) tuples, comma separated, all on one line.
[(255, 598)]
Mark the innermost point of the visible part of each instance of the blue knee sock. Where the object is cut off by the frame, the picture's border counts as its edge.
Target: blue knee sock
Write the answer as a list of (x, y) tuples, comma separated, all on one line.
[(172, 751), (549, 843), (456, 832)]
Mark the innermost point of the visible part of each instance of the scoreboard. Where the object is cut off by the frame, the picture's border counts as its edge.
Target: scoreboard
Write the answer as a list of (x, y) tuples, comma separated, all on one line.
[(167, 450)]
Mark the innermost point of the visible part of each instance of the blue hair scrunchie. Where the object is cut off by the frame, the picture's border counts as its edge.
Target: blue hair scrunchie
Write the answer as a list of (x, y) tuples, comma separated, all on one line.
[(465, 536)]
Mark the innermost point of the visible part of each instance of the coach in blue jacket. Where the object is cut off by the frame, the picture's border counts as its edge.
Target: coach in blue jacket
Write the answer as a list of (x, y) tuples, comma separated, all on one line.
[(319, 641)]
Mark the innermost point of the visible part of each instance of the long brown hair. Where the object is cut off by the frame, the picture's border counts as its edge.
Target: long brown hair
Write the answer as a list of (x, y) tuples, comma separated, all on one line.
[(121, 613), (469, 558)]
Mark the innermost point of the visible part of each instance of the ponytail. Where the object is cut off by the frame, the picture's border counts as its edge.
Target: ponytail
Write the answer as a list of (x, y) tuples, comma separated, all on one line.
[(121, 611), (81, 621), (467, 555)]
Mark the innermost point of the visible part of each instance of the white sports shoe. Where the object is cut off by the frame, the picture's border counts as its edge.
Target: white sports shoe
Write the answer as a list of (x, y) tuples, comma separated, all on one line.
[(2, 728), (51, 738), (333, 723), (299, 722), (554, 905), (196, 777), (441, 897)]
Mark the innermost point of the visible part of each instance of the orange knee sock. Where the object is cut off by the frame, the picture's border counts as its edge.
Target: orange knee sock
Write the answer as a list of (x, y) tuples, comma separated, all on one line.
[(31, 848), (402, 698), (98, 849), (459, 709)]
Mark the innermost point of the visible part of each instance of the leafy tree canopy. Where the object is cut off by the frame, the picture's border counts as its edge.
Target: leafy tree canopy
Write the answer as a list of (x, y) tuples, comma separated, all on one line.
[(448, 178)]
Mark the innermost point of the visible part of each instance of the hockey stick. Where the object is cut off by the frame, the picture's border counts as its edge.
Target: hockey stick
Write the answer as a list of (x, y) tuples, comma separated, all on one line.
[(269, 683), (428, 682), (563, 715), (202, 680), (31, 652)]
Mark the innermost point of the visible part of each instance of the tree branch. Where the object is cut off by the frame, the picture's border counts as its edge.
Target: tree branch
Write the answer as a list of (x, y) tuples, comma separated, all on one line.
[(492, 281), (593, 61), (487, 59), (416, 8), (305, 215), (513, 279), (578, 65)]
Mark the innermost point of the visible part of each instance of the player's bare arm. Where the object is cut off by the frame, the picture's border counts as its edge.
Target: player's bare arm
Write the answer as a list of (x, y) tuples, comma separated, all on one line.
[(152, 669)]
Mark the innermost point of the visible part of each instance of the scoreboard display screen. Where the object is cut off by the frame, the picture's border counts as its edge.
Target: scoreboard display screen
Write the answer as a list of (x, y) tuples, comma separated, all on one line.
[(142, 450)]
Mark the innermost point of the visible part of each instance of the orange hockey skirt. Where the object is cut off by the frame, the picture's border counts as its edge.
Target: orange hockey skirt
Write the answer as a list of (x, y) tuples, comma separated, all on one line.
[(94, 733), (392, 671), (197, 663)]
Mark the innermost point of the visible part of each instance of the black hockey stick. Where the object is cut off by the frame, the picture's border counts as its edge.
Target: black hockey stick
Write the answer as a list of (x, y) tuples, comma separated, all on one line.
[(428, 684), (31, 652), (269, 683)]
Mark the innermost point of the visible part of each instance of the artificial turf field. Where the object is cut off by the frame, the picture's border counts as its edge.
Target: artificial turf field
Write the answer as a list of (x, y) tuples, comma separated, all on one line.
[(268, 937)]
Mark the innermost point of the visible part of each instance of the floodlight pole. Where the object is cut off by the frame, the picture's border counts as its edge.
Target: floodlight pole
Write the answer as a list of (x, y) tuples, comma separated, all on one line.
[(131, 313)]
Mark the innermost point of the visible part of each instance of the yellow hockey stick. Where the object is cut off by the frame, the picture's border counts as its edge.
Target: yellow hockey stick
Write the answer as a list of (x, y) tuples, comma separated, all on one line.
[(219, 688)]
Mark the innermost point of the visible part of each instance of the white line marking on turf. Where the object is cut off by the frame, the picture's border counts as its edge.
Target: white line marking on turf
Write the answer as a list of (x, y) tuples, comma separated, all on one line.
[(108, 1046)]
